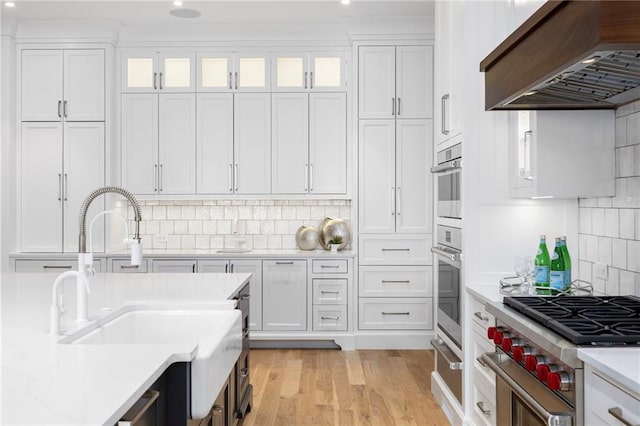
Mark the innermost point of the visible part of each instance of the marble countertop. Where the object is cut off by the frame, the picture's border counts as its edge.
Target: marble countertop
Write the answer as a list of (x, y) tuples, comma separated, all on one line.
[(47, 383), (622, 365)]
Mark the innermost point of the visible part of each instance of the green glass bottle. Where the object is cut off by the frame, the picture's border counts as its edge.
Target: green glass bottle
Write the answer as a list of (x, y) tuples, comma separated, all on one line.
[(542, 263), (557, 275), (567, 264)]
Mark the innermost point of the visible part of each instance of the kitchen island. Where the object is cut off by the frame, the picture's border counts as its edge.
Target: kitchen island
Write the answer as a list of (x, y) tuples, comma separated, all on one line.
[(45, 382)]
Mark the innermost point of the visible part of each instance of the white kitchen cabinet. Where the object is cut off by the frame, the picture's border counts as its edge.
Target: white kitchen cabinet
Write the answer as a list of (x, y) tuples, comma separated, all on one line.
[(233, 72), (309, 140), (150, 71), (59, 85), (607, 402), (159, 143), (174, 265), (562, 154), (252, 143), (309, 71), (395, 82), (449, 58), (395, 313), (60, 164), (284, 296), (395, 186)]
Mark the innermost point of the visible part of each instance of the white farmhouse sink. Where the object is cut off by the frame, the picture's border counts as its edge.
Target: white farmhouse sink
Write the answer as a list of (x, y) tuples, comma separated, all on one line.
[(217, 334)]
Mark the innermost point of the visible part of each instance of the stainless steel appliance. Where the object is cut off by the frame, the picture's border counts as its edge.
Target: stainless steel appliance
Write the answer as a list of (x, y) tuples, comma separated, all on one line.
[(447, 173), (448, 252), (539, 379)]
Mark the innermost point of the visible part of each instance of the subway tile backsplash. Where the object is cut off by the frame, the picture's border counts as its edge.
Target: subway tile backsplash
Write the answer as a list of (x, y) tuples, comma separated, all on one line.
[(610, 226), (216, 224)]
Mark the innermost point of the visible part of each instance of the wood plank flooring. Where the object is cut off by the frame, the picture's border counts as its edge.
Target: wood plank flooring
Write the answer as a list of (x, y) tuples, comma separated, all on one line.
[(299, 387)]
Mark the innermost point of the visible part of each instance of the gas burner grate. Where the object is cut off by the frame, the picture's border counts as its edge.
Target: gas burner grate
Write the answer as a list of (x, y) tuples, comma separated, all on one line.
[(585, 320)]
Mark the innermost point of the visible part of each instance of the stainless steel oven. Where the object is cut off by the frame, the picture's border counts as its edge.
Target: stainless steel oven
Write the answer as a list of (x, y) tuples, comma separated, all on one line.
[(449, 261), (448, 175)]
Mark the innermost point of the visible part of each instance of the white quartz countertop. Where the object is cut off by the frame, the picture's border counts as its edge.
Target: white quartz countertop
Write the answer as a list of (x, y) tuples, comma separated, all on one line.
[(620, 364), (47, 383)]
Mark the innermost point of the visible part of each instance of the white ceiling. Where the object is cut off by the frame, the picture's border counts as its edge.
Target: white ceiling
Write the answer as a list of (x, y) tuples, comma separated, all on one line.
[(221, 11)]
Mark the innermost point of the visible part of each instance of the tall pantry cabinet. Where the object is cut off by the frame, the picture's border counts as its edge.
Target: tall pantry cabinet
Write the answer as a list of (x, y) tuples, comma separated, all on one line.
[(62, 146), (395, 145)]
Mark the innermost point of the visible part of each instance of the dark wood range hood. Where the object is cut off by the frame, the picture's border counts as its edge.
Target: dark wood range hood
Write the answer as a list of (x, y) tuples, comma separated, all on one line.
[(568, 55)]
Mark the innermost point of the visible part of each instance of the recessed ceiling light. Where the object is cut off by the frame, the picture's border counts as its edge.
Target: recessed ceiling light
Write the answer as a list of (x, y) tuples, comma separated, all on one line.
[(345, 1), (184, 13), (9, 4), (177, 3)]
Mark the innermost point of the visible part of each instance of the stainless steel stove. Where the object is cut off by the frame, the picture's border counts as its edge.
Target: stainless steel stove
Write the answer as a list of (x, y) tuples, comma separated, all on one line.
[(539, 378)]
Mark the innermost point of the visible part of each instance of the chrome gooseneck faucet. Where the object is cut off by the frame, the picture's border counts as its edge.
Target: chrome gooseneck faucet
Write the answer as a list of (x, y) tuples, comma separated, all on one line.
[(85, 258)]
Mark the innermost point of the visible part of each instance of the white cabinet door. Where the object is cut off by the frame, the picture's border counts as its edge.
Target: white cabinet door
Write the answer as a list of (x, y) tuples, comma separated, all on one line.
[(414, 82), (254, 267), (251, 72), (139, 71), (413, 180), (290, 72), (214, 143), (176, 72), (290, 143), (84, 172), (252, 145), (284, 299), (377, 212), (84, 85), (41, 86), (167, 265), (328, 143), (302, 72), (214, 72), (327, 72), (140, 143), (41, 187), (376, 82), (177, 144), (215, 266)]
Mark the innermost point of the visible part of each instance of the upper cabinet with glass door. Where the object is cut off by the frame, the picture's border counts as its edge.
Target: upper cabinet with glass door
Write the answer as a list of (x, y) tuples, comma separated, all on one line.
[(302, 72), (233, 72), (158, 72)]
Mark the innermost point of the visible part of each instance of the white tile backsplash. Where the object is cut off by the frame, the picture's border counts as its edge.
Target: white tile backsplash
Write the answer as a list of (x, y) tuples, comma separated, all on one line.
[(214, 224), (609, 227)]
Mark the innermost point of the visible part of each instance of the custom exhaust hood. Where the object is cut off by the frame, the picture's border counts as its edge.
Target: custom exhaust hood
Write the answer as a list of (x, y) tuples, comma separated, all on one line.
[(568, 55)]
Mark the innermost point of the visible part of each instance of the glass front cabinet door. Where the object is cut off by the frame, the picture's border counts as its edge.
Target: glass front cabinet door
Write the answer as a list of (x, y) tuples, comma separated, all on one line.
[(233, 72), (302, 72), (158, 72)]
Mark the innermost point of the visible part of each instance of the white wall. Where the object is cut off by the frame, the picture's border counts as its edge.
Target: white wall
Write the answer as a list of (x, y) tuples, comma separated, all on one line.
[(7, 142)]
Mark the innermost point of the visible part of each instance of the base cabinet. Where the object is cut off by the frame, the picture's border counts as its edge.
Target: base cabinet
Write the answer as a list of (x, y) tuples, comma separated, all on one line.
[(284, 297), (607, 402)]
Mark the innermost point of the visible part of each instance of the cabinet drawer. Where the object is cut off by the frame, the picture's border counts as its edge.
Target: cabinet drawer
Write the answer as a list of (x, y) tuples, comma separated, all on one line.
[(329, 317), (329, 291), (326, 266), (481, 318), (396, 314), (125, 266), (601, 395), (395, 281), (480, 345), (484, 401), (52, 265), (390, 250)]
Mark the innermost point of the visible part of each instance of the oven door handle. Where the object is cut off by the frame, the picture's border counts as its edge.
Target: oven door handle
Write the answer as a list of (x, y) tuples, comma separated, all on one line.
[(451, 255), (442, 349), (556, 419), (445, 167)]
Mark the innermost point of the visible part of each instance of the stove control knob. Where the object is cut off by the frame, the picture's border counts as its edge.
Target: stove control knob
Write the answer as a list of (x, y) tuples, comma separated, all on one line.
[(509, 343), (491, 332), (559, 380), (522, 351), (531, 362), (500, 336), (543, 371)]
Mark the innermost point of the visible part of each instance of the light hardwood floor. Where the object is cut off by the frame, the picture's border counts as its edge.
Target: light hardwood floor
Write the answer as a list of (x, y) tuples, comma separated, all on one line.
[(299, 387)]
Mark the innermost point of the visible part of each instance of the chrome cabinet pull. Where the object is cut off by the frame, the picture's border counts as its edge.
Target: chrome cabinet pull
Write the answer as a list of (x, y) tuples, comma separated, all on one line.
[(59, 105), (330, 266), (129, 266), (235, 178), (481, 362), (393, 200), (57, 266), (395, 249), (193, 268), (59, 186), (232, 267), (454, 256), (451, 165), (155, 177), (161, 178), (311, 177), (160, 81), (330, 318), (480, 317), (305, 79), (66, 187), (480, 405), (306, 178), (395, 281), (230, 80), (396, 313), (398, 198), (218, 409), (64, 109), (329, 292), (616, 412), (226, 268), (443, 105), (442, 349), (311, 80), (236, 80), (150, 397), (230, 177), (398, 107), (284, 263), (393, 107), (526, 171), (155, 81), (244, 372)]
